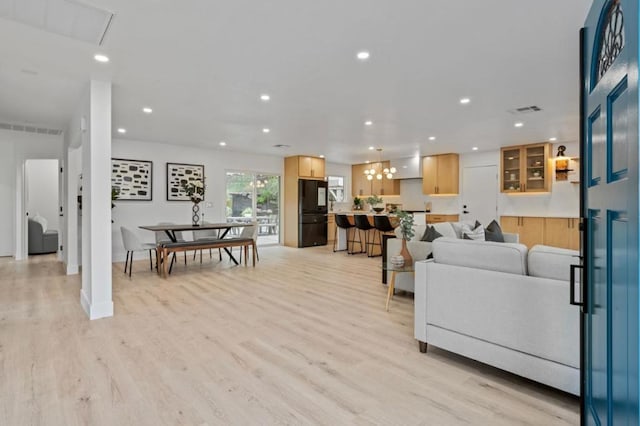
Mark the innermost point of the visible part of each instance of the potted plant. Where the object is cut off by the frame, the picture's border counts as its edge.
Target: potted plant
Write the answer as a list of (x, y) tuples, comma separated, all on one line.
[(195, 191), (357, 203), (373, 202), (406, 228)]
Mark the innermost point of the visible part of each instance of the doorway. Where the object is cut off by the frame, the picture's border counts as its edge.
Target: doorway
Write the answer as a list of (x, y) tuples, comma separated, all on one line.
[(42, 207), (255, 197), (480, 194)]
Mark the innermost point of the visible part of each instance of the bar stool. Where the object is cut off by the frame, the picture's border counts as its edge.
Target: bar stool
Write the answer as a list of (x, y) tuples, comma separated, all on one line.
[(383, 226), (363, 225), (342, 221)]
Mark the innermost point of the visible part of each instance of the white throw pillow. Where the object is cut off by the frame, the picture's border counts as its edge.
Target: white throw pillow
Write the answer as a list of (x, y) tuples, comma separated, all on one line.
[(473, 234)]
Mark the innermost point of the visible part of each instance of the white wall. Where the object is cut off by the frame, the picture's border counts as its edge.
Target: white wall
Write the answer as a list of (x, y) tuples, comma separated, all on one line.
[(16, 148), (216, 163), (42, 190), (562, 201)]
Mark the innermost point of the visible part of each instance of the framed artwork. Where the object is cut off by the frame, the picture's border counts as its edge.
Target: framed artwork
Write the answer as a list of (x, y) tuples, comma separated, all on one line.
[(180, 174), (132, 179)]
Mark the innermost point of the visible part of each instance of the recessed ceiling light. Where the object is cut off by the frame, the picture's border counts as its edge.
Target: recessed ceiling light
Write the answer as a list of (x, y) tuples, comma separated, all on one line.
[(264, 97), (122, 130), (553, 139), (432, 138), (363, 55), (371, 148), (321, 156), (518, 124), (266, 130), (475, 148), (101, 58), (465, 101), (223, 143), (367, 162), (368, 123), (147, 110)]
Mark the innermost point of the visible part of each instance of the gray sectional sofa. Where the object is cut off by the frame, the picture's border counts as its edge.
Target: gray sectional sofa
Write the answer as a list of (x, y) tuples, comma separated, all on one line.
[(502, 305)]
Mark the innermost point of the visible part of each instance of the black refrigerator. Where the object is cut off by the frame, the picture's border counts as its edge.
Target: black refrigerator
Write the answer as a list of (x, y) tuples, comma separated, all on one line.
[(312, 213)]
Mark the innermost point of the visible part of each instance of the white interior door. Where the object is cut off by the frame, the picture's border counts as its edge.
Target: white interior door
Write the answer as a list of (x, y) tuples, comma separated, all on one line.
[(480, 194)]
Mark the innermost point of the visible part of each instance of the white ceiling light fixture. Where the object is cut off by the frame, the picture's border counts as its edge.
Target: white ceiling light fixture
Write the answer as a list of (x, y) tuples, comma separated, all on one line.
[(363, 55), (379, 172), (321, 155), (101, 58), (371, 148), (518, 124), (147, 110), (368, 123), (475, 148), (432, 138), (465, 101), (553, 139), (266, 130), (122, 130), (223, 143), (265, 97)]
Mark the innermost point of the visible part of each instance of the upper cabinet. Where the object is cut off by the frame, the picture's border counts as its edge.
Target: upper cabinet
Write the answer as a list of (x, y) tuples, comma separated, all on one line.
[(525, 168), (361, 186), (310, 167), (440, 174)]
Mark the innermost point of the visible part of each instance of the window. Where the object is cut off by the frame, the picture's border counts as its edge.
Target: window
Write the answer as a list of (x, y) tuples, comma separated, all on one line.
[(336, 189)]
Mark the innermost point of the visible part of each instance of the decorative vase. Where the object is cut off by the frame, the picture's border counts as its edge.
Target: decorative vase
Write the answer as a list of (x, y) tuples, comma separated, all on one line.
[(408, 260), (195, 214)]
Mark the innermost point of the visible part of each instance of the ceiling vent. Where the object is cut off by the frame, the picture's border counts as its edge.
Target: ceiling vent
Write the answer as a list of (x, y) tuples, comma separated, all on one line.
[(70, 18), (30, 129), (281, 145), (526, 109)]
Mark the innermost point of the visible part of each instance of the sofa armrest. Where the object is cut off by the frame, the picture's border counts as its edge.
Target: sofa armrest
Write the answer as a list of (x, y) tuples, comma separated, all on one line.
[(511, 238), (420, 301)]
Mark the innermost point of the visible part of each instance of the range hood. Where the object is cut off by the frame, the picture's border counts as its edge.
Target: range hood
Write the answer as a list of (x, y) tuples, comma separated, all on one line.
[(407, 168)]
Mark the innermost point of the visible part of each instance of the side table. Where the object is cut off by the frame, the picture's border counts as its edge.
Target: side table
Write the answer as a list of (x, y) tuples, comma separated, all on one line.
[(394, 270)]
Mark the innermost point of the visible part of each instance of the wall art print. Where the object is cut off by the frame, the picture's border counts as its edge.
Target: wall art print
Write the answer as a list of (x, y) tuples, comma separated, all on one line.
[(132, 179), (179, 175)]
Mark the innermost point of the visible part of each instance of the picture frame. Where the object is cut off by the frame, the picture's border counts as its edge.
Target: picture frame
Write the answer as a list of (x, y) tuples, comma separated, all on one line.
[(179, 173), (132, 179)]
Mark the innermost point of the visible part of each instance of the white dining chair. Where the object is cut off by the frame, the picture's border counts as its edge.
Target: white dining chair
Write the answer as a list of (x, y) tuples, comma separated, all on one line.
[(251, 231), (162, 237), (132, 244), (206, 234)]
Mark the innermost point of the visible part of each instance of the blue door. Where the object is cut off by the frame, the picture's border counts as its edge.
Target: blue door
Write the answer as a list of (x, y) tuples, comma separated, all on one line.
[(610, 208)]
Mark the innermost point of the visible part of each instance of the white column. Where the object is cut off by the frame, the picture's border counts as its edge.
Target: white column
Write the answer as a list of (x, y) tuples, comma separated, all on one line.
[(96, 297)]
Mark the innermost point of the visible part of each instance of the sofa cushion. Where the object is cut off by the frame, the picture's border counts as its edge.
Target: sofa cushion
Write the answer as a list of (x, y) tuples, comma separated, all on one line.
[(430, 234), (445, 229), (551, 262), (502, 257), (493, 232)]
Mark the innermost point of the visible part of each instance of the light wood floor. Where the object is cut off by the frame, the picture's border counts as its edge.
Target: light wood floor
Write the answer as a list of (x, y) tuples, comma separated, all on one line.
[(301, 339)]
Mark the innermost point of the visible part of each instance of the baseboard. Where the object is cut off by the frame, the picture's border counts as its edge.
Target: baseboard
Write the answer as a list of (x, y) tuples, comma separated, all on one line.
[(72, 269), (96, 310)]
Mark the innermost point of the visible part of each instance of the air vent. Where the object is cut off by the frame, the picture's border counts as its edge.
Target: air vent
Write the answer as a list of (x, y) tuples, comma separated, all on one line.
[(281, 145), (30, 129), (70, 18), (526, 109)]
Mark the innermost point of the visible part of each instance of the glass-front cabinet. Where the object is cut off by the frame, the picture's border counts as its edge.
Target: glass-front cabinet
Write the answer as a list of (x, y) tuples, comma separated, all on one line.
[(525, 168)]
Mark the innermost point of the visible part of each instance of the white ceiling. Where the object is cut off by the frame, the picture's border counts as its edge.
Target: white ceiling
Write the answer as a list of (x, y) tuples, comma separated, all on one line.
[(202, 65)]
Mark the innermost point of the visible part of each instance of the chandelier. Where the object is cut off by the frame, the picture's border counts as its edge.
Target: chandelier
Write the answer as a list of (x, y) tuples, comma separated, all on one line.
[(379, 173)]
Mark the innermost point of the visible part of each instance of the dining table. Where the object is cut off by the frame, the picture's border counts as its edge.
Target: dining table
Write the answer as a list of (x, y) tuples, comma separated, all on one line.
[(224, 227)]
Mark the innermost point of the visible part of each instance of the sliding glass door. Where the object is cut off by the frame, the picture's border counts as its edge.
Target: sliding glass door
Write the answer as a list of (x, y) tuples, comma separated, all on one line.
[(255, 197)]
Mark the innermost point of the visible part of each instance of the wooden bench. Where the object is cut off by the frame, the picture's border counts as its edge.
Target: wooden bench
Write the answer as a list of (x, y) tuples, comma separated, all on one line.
[(167, 248)]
